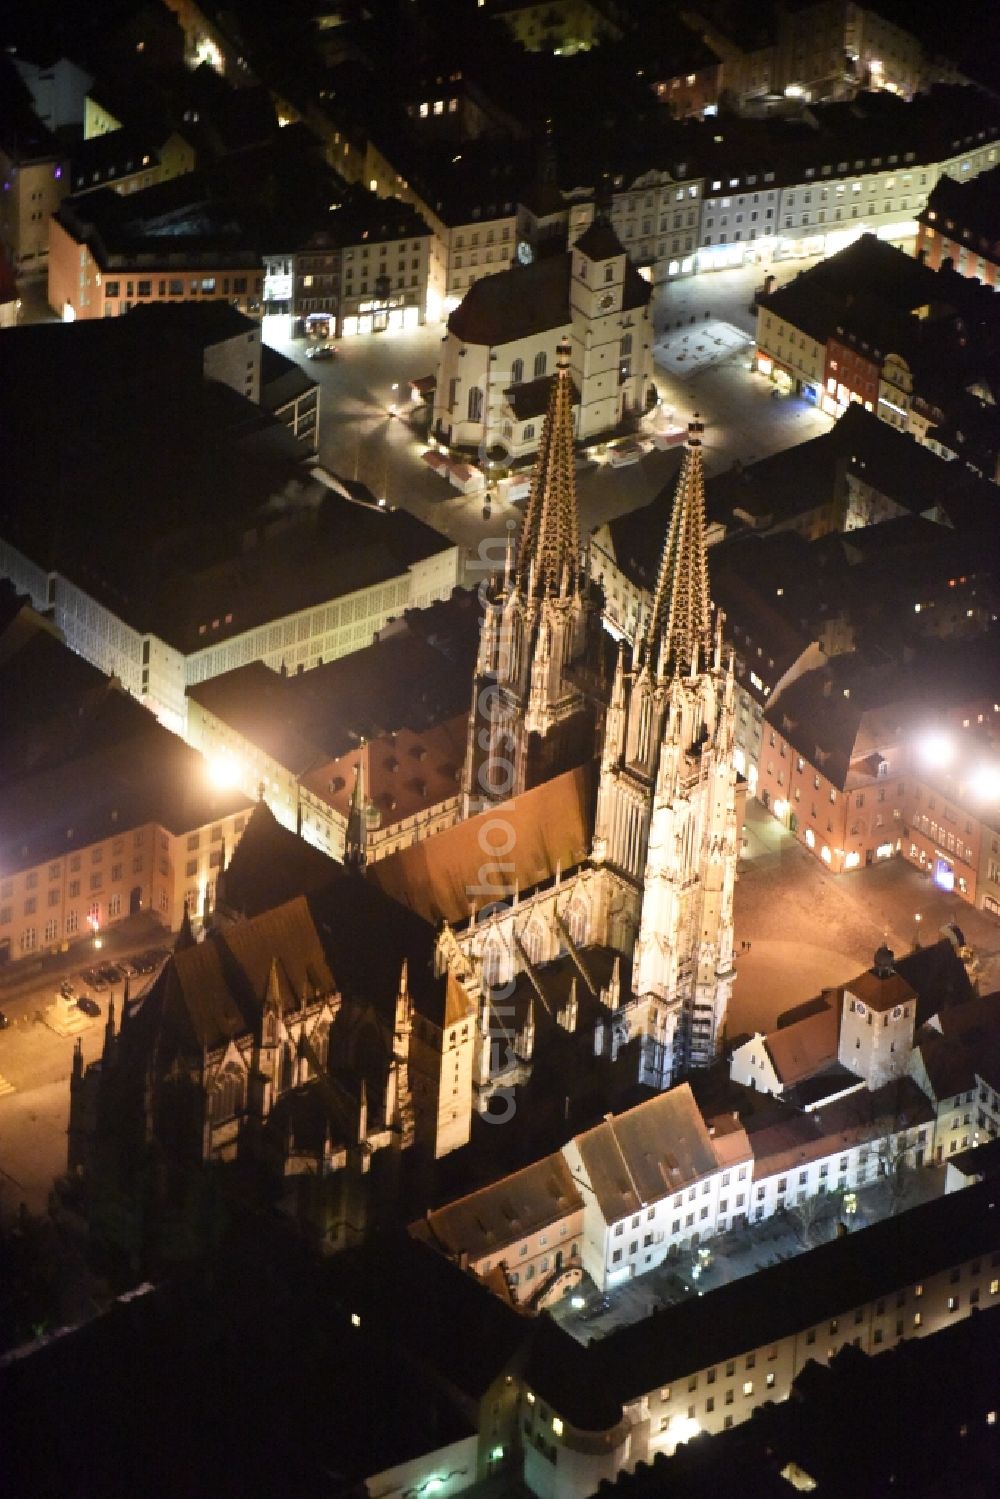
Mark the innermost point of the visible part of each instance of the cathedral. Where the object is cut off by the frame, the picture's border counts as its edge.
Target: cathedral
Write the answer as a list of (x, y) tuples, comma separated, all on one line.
[(571, 932), (606, 793)]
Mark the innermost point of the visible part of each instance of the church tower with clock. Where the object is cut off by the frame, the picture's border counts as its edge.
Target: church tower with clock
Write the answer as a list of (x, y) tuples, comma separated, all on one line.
[(612, 335)]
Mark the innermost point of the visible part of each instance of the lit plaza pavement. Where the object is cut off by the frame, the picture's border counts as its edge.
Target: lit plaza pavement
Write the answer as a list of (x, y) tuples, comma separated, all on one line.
[(360, 437), (809, 929)]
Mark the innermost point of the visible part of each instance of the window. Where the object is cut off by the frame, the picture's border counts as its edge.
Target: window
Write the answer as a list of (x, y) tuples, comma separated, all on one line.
[(475, 404), (517, 372), (540, 363)]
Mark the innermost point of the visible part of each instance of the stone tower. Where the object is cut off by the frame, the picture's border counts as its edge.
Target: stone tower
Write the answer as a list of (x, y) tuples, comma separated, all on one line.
[(877, 1022), (666, 813), (530, 717)]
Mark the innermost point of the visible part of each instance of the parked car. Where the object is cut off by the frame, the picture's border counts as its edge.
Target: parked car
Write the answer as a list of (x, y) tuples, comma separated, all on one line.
[(148, 962), (321, 351), (111, 972), (129, 969), (4, 1022), (87, 1005), (94, 978)]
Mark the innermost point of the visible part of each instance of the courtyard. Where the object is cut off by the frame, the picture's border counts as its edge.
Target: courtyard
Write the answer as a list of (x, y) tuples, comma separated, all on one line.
[(741, 1252), (809, 930)]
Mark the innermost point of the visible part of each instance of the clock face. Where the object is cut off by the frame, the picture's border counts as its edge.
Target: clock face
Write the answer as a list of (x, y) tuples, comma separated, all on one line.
[(606, 301), (525, 253)]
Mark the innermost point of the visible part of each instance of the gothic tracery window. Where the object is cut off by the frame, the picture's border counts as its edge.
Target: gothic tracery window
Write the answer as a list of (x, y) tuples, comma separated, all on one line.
[(229, 1093), (576, 921)]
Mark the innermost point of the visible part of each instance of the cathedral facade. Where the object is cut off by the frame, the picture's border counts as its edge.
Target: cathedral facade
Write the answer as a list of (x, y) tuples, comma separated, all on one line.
[(655, 880)]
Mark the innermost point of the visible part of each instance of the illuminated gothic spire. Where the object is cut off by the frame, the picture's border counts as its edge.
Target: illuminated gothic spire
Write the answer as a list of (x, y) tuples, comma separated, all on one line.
[(678, 635), (549, 545)]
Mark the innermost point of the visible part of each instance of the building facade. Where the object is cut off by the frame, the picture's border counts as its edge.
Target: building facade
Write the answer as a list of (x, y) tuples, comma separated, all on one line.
[(492, 388)]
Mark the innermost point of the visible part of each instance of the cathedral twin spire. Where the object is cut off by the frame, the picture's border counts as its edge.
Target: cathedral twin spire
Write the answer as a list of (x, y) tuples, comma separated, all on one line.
[(548, 554), (678, 634)]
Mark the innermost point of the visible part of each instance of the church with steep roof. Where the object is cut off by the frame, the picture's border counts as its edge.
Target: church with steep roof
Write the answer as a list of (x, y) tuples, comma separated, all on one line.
[(495, 366), (590, 887), (571, 932)]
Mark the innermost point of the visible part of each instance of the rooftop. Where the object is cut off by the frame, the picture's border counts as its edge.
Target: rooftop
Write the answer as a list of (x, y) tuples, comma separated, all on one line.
[(515, 1206), (550, 829), (634, 1159), (528, 299), (413, 678)]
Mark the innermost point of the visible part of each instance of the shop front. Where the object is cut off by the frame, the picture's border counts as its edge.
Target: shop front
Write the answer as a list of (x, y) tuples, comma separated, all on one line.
[(386, 315)]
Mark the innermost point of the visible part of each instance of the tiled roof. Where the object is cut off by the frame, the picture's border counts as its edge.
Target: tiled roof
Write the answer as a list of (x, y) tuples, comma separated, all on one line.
[(881, 991), (549, 827), (529, 299), (648, 1153), (798, 1051), (405, 773), (486, 1221), (215, 990), (800, 1138)]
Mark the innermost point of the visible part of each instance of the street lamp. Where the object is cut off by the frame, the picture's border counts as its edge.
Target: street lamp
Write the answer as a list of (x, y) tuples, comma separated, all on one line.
[(916, 929)]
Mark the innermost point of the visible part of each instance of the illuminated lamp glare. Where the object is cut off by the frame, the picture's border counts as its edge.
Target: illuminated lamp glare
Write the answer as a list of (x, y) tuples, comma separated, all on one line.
[(936, 750), (223, 772), (683, 1428), (986, 782)]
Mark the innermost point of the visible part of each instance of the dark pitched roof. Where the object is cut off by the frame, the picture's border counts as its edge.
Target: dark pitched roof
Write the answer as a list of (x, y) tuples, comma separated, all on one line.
[(939, 977), (599, 241), (973, 207), (282, 380), (271, 865), (528, 299)]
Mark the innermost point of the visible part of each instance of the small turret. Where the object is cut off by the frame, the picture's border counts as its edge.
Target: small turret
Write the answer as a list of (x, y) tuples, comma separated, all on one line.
[(356, 841), (526, 1039), (362, 1134), (109, 1052)]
